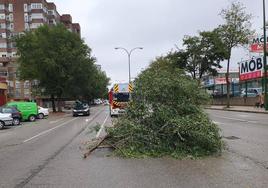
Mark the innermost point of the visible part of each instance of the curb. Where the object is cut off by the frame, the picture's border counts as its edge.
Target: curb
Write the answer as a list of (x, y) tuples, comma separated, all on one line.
[(233, 110)]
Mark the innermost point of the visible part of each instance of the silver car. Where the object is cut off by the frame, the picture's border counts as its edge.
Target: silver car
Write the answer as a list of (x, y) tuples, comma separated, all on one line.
[(251, 92), (5, 120)]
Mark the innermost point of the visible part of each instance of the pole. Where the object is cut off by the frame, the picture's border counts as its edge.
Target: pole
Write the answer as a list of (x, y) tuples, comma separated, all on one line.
[(264, 57), (129, 55), (129, 76)]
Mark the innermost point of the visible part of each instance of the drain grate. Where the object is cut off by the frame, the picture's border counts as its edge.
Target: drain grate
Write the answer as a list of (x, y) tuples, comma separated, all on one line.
[(231, 137)]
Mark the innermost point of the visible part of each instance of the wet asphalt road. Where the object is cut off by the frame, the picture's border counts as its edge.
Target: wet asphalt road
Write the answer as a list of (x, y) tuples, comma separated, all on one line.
[(49, 154)]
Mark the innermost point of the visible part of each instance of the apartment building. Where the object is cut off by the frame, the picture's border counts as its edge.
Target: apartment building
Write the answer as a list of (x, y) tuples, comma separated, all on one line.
[(17, 16)]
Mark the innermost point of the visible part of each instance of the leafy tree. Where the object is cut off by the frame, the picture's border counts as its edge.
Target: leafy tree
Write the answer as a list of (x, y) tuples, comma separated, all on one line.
[(165, 117), (234, 32), (202, 54), (98, 87), (58, 59)]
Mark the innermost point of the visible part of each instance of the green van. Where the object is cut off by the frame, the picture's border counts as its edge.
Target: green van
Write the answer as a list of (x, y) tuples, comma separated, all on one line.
[(28, 110)]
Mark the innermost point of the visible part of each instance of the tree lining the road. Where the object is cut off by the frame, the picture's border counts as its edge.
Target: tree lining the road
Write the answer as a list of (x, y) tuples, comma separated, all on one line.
[(202, 54), (235, 32), (61, 63)]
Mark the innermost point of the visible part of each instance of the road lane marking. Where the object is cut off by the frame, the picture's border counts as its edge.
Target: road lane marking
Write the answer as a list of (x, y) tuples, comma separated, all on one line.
[(87, 120), (49, 130), (242, 120), (236, 119), (216, 122), (56, 121), (102, 127)]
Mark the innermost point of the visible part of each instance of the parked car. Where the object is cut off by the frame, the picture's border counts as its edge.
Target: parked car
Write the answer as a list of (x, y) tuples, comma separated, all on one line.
[(105, 102), (251, 92), (97, 101), (42, 112), (81, 110), (28, 110), (16, 114), (5, 120)]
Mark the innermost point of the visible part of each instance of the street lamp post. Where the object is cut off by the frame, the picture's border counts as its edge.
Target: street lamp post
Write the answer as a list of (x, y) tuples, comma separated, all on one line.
[(264, 57), (129, 55)]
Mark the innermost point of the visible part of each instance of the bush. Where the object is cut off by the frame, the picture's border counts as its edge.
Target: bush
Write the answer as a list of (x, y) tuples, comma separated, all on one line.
[(165, 117)]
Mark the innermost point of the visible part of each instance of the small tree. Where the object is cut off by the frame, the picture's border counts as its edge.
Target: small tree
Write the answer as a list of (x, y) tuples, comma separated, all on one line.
[(234, 32), (202, 54)]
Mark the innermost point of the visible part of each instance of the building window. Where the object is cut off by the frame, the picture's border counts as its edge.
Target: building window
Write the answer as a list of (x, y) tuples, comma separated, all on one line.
[(3, 45), (36, 6), (3, 35), (51, 12), (26, 26), (35, 25), (26, 18), (2, 26), (3, 73), (37, 16), (2, 7), (10, 7), (11, 27), (11, 45), (2, 16), (25, 8), (11, 17)]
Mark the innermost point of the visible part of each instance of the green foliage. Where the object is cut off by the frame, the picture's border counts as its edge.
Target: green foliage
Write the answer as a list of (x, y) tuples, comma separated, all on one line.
[(202, 54), (165, 117), (61, 62), (236, 29), (234, 32)]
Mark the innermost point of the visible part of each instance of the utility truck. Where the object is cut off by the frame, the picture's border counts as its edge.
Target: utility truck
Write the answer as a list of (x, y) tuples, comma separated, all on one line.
[(119, 97)]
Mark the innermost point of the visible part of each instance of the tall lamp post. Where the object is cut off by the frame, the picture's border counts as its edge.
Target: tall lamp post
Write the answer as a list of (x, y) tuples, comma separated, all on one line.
[(264, 57), (129, 54)]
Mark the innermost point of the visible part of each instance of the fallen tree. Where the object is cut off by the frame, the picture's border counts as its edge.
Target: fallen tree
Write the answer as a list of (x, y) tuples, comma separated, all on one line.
[(165, 117)]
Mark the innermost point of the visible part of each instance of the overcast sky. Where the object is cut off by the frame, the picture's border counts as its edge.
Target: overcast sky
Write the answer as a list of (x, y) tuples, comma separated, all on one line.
[(155, 25)]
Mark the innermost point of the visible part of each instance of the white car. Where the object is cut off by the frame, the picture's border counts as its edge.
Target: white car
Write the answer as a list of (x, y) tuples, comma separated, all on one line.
[(42, 112), (5, 119)]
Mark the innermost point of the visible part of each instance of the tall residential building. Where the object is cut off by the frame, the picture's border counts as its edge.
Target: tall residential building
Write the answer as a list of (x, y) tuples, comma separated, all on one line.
[(17, 16)]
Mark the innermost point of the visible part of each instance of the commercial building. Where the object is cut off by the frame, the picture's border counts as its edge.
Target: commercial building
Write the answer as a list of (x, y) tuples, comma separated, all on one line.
[(17, 16), (216, 85)]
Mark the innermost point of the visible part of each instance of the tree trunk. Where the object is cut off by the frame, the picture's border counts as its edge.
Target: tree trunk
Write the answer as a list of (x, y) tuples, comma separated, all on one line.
[(228, 84), (59, 104), (53, 103)]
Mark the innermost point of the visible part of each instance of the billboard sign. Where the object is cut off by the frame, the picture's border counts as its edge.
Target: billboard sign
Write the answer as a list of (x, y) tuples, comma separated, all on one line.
[(251, 69), (256, 44), (219, 81)]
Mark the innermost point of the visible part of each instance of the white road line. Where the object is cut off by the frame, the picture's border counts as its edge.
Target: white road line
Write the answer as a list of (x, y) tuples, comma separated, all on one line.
[(216, 122), (235, 119), (55, 121), (87, 120), (102, 127), (223, 117), (49, 130), (44, 132)]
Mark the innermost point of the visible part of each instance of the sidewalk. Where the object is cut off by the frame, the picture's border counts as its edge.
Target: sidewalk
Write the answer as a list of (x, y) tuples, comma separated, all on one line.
[(249, 109)]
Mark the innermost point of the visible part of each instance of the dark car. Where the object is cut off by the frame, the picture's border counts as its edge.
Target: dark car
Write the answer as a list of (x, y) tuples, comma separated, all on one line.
[(81, 110), (16, 114)]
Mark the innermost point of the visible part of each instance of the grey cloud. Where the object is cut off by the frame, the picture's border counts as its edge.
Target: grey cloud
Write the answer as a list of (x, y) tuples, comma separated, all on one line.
[(155, 25)]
